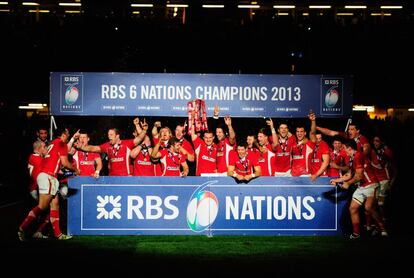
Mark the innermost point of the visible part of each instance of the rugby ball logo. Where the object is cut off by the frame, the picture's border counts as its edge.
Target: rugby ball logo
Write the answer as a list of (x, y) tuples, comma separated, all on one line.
[(71, 95), (332, 97), (202, 210)]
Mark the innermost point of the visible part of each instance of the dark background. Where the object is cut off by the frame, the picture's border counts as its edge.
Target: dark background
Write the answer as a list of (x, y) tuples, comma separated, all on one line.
[(106, 37)]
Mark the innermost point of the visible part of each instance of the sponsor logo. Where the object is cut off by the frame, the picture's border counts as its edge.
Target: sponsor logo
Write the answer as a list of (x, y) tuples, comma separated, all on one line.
[(331, 96), (202, 209), (71, 93), (108, 207)]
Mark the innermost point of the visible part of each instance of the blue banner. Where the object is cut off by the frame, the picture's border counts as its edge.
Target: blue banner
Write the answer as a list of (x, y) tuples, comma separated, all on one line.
[(238, 95), (202, 205)]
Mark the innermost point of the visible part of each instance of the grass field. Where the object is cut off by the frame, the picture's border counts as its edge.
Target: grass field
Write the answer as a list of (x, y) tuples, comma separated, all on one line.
[(222, 254), (200, 254)]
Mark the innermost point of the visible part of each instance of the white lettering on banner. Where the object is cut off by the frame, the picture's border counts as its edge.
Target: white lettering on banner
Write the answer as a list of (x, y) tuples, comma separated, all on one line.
[(134, 205), (230, 93), (220, 93), (278, 207), (113, 107), (331, 82), (132, 92), (141, 107), (331, 109), (163, 92), (286, 93), (252, 109), (153, 207), (168, 205), (113, 92), (71, 79)]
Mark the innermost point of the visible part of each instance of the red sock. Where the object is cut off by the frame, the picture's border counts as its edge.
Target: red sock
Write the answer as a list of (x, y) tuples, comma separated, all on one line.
[(44, 223), (54, 219), (368, 219), (356, 228), (33, 214)]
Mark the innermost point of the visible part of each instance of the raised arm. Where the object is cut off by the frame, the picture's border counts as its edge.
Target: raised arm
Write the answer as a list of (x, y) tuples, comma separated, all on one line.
[(275, 138), (213, 122), (90, 148), (137, 126), (155, 154), (312, 133), (141, 136), (326, 131), (193, 133), (135, 151), (232, 134), (70, 144), (154, 131)]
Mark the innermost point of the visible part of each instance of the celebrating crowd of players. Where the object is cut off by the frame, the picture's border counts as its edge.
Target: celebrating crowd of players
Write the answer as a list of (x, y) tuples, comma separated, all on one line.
[(352, 162)]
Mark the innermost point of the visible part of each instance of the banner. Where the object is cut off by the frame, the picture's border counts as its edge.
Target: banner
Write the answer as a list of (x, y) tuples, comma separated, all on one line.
[(202, 205), (238, 95)]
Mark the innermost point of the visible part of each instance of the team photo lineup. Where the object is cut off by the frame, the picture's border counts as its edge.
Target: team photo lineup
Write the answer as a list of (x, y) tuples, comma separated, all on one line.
[(202, 146)]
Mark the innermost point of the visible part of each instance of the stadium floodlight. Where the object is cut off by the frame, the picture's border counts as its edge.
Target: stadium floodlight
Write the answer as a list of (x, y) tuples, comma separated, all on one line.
[(213, 6), (391, 7), (248, 6), (33, 106), (380, 14), (4, 3), (320, 6), (70, 4), (30, 4), (177, 6), (39, 11), (142, 5), (284, 6), (36, 104), (355, 7)]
